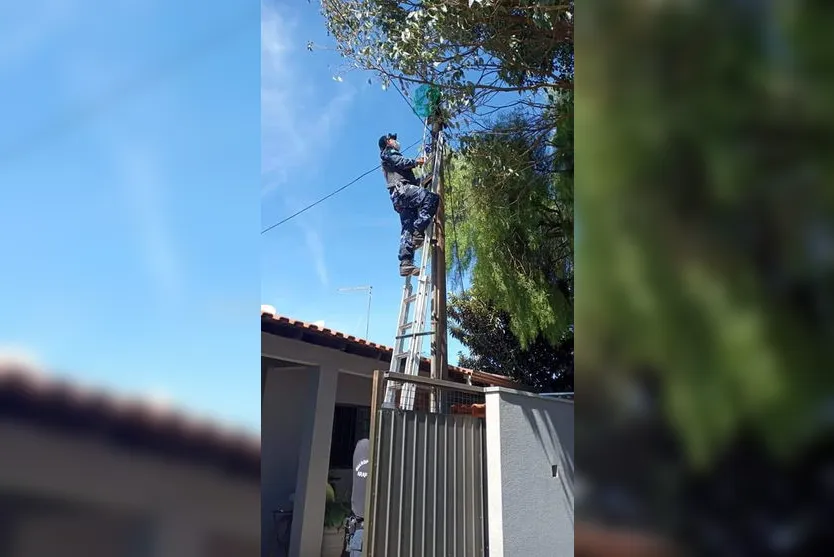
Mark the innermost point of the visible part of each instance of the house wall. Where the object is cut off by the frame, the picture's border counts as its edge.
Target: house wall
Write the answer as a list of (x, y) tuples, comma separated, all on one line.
[(314, 408), (530, 512), (72, 533), (273, 346), (287, 392), (288, 398), (165, 507), (336, 377), (354, 390)]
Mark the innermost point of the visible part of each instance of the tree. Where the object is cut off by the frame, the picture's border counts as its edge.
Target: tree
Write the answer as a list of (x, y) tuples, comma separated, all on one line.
[(474, 51), (509, 205), (505, 72), (707, 207), (707, 266), (493, 347)]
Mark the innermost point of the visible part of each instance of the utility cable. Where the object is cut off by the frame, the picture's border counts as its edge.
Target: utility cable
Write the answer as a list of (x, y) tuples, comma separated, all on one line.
[(329, 195), (408, 102)]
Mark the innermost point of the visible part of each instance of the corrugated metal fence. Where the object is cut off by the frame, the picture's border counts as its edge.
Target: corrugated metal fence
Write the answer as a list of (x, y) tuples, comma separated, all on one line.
[(428, 494)]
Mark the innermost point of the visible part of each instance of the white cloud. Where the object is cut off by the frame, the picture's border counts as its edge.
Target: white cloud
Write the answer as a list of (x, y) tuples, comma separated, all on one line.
[(309, 225), (144, 189), (316, 247), (295, 120)]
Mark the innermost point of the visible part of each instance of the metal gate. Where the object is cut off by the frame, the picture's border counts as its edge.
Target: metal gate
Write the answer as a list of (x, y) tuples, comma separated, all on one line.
[(427, 484)]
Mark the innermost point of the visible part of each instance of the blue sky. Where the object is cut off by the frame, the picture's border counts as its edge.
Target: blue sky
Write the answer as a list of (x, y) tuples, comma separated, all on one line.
[(320, 129), (130, 197), (135, 179)]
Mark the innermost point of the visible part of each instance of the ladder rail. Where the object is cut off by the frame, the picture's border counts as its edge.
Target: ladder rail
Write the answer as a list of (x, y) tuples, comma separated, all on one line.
[(402, 320), (399, 344), (424, 288), (412, 365)]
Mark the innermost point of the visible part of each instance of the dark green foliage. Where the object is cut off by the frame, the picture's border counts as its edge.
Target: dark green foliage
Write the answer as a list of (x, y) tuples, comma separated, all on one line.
[(471, 52), (493, 347), (707, 215)]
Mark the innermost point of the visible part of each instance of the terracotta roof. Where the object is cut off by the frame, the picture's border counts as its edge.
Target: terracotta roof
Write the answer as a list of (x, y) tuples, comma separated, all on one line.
[(273, 323), (27, 395)]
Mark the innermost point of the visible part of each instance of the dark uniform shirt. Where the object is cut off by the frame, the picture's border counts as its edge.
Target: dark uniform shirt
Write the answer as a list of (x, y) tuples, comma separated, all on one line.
[(397, 168)]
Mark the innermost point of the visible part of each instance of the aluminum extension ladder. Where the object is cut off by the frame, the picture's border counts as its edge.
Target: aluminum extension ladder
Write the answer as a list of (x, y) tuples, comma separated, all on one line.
[(411, 323)]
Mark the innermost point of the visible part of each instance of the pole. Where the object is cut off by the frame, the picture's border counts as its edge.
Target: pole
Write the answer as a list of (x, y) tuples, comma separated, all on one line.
[(440, 363), (368, 318)]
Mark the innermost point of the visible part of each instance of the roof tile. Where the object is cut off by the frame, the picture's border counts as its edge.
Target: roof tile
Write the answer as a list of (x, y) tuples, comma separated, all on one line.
[(269, 313)]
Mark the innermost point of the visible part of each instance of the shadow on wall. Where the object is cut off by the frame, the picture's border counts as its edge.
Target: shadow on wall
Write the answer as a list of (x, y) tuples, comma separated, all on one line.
[(556, 442)]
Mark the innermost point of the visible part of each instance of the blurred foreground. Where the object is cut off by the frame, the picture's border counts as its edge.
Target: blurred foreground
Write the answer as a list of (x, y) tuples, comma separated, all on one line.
[(705, 275), (86, 474)]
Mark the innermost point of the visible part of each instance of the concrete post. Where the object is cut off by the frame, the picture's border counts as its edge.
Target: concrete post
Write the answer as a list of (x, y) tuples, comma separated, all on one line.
[(314, 464)]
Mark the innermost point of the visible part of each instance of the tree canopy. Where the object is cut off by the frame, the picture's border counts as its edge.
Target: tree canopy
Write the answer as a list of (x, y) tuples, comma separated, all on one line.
[(509, 205), (473, 51), (505, 72), (494, 348)]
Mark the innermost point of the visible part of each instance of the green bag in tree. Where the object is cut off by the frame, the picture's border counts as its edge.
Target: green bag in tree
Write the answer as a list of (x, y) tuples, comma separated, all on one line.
[(426, 100)]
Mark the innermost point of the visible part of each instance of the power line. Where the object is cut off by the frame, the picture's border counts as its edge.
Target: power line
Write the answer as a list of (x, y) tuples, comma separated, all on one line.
[(408, 102), (329, 195)]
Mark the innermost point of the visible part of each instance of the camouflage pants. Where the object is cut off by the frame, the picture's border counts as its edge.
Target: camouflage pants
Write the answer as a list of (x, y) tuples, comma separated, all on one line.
[(417, 207)]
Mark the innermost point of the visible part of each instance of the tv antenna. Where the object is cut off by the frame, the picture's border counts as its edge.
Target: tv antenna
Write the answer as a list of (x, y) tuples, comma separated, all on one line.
[(370, 294)]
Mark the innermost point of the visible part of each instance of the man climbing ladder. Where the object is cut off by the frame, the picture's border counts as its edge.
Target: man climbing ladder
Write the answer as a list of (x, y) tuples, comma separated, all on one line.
[(419, 205), (415, 204)]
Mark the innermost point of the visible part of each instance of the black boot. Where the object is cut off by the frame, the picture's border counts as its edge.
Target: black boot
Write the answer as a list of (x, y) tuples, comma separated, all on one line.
[(407, 268), (418, 239)]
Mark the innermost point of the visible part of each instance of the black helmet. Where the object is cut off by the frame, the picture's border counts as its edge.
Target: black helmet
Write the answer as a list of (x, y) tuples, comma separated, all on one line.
[(383, 141)]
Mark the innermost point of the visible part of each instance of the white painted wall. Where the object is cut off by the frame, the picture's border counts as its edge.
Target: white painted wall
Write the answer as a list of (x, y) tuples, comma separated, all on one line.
[(530, 512)]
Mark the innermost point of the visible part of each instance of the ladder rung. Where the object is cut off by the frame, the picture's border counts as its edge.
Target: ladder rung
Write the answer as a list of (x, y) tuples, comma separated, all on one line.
[(409, 335)]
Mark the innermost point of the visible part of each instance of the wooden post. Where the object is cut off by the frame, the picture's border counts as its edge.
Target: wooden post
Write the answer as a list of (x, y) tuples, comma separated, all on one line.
[(440, 362), (377, 395)]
